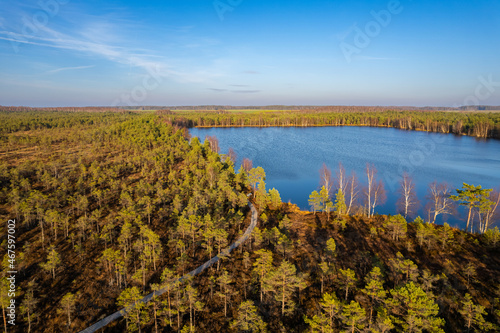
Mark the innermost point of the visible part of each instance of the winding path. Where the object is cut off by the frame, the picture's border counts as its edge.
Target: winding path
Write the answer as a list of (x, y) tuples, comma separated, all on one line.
[(118, 314)]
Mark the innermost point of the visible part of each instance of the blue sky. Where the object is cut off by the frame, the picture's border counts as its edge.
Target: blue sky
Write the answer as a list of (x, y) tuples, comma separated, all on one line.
[(249, 52)]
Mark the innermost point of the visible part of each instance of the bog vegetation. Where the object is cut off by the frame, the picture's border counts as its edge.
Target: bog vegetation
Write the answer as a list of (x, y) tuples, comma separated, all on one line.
[(112, 205)]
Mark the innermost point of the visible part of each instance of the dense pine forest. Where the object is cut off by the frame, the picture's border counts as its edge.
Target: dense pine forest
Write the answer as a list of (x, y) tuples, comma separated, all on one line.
[(111, 204)]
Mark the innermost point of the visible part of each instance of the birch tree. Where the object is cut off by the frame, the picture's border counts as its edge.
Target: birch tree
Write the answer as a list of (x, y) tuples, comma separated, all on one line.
[(439, 200), (407, 202), (491, 212), (374, 190), (352, 192), (341, 179), (325, 179)]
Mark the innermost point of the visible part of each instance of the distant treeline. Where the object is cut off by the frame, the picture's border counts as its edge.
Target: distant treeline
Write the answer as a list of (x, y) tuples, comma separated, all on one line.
[(313, 107), (483, 125), (15, 119), (65, 109), (478, 124)]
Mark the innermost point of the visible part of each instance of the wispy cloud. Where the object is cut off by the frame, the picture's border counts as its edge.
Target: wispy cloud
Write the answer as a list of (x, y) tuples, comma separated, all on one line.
[(100, 40), (217, 90), (245, 91), (239, 85), (251, 72), (57, 70)]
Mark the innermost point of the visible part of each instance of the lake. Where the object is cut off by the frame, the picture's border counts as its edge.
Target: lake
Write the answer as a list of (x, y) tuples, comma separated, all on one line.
[(293, 156)]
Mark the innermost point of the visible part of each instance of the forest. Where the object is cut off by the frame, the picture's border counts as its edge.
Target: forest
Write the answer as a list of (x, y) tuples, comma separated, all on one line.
[(110, 205), (478, 124)]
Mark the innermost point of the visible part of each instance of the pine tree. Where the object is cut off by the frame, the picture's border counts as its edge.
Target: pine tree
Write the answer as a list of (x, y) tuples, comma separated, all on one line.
[(374, 289), (326, 202), (472, 197), (167, 277), (470, 272), (131, 297), (29, 304), (53, 261), (256, 176), (340, 205), (261, 197), (316, 201), (397, 226), (285, 223), (445, 235), (67, 305), (155, 303), (384, 322), (191, 298), (224, 282), (330, 248), (417, 309), (325, 272), (4, 299), (353, 317), (153, 248), (274, 199), (262, 266), (285, 244), (347, 279), (319, 324), (284, 281), (473, 315), (331, 306), (248, 320), (400, 265), (492, 237)]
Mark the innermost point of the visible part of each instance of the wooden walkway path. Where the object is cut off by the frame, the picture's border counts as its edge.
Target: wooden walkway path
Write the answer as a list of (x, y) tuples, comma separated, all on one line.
[(120, 313)]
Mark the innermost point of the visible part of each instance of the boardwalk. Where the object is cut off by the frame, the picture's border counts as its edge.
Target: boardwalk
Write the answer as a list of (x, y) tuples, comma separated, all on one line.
[(118, 314)]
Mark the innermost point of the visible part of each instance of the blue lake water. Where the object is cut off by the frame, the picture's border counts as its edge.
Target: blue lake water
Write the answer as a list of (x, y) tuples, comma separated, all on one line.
[(293, 156)]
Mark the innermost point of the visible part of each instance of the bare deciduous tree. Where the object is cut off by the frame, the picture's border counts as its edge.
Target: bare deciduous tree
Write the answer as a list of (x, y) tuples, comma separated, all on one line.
[(352, 191), (439, 200), (374, 191), (232, 155), (379, 195), (325, 179), (408, 201), (247, 164), (370, 175), (341, 178), (490, 213), (213, 142)]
